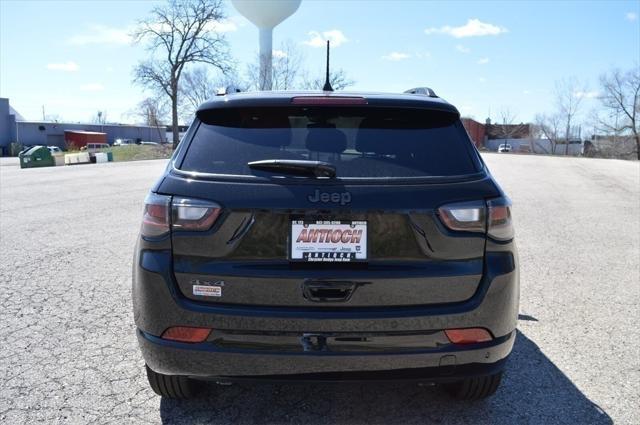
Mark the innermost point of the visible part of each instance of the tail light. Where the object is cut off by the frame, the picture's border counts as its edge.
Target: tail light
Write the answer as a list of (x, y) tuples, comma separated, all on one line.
[(161, 215), (500, 222), (155, 219), (194, 214), (474, 217), (186, 334), (465, 216)]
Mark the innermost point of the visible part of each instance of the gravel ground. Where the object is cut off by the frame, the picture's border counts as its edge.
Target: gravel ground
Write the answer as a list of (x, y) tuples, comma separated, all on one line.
[(68, 353)]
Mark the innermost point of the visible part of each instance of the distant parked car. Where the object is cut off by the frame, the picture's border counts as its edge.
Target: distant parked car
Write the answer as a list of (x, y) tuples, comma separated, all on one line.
[(54, 149), (95, 147), (124, 142), (149, 143), (505, 147)]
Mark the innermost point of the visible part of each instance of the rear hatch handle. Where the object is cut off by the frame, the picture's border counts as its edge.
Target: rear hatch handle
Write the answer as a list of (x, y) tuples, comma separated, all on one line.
[(329, 290)]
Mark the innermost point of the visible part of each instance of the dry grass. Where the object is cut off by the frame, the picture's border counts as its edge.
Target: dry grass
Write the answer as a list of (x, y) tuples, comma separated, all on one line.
[(141, 152)]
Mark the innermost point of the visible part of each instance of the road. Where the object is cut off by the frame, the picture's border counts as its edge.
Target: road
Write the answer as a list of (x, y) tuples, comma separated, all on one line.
[(68, 353)]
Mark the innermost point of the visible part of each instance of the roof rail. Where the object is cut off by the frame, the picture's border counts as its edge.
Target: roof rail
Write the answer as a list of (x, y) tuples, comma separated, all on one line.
[(228, 90), (422, 90)]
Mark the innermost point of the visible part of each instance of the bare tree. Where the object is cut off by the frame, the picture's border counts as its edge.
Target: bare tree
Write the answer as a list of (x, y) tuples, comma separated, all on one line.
[(339, 81), (621, 101), (198, 85), (535, 133), (507, 129), (569, 95), (560, 126), (288, 72), (287, 64), (178, 33), (550, 128), (286, 68), (152, 111)]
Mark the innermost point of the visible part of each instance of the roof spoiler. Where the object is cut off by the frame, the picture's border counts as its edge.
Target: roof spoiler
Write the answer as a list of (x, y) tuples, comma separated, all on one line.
[(422, 90)]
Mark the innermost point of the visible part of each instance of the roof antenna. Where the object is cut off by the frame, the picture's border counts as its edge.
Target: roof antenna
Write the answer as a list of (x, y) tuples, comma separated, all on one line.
[(327, 83)]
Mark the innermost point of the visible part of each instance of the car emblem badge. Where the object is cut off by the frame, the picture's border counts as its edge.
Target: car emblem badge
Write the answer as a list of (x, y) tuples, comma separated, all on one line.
[(342, 198)]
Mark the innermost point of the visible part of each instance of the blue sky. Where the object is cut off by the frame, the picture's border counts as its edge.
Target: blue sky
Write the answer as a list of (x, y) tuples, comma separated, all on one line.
[(75, 57)]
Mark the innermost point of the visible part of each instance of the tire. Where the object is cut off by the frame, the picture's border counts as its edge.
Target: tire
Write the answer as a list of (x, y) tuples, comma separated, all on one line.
[(476, 388), (171, 386)]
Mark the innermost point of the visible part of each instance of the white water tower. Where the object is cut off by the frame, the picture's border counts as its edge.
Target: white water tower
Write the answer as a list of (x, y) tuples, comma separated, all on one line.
[(266, 14)]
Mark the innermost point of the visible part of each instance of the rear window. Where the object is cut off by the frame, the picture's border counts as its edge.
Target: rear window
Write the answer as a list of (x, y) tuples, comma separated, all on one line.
[(359, 142)]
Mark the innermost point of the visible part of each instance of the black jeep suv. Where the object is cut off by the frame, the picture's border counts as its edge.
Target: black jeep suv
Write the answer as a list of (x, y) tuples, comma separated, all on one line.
[(325, 237)]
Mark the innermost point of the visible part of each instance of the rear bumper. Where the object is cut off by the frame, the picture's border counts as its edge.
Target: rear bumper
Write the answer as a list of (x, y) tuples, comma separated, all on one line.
[(206, 361), (158, 304)]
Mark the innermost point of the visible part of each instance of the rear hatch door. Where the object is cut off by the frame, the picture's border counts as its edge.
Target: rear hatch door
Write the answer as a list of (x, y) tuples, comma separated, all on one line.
[(371, 236)]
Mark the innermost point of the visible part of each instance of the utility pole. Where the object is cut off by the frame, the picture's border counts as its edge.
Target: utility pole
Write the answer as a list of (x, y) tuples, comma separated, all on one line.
[(43, 113)]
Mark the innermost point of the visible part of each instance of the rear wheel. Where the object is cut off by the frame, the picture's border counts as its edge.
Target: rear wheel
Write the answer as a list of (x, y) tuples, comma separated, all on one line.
[(171, 386), (476, 388)]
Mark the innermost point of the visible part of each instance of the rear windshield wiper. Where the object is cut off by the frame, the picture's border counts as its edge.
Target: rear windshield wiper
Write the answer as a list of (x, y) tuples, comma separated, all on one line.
[(297, 167)]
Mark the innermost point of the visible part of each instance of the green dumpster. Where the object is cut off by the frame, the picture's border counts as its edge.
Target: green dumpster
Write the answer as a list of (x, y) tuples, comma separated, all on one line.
[(37, 156), (110, 156)]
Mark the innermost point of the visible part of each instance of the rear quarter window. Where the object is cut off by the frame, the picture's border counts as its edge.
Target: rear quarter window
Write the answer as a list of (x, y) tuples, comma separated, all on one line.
[(362, 143)]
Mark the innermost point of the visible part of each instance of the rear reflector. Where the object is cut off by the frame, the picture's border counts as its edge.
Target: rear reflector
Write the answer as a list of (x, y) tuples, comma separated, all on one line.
[(328, 100), (468, 336), (186, 334)]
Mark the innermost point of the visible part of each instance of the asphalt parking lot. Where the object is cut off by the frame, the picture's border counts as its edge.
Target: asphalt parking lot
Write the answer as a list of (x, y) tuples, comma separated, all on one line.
[(68, 352)]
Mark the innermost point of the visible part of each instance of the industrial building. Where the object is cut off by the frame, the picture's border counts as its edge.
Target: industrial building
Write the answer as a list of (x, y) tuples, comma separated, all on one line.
[(14, 129), (520, 137)]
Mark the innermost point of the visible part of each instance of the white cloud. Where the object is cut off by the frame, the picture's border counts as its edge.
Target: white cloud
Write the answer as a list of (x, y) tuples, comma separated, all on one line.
[(631, 16), (239, 20), (526, 91), (482, 80), (92, 87), (462, 49), (102, 34), (467, 108), (396, 56), (587, 94), (279, 54), (66, 66), (227, 25), (473, 28), (317, 39), (483, 61)]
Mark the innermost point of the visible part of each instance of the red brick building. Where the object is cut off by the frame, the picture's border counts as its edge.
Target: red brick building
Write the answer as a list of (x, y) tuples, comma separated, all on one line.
[(476, 131), (479, 133)]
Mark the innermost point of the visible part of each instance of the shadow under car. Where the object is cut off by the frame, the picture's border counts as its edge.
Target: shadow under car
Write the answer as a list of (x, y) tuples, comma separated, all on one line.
[(534, 390)]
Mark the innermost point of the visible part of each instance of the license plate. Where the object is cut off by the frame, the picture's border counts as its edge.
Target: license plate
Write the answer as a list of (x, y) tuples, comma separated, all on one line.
[(324, 241)]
